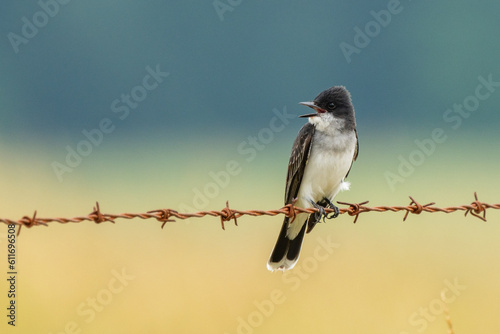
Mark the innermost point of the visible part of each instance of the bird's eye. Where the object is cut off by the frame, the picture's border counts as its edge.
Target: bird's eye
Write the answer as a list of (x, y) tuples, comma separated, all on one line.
[(331, 105)]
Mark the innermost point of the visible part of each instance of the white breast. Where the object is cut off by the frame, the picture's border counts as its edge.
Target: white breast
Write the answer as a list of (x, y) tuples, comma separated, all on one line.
[(327, 166)]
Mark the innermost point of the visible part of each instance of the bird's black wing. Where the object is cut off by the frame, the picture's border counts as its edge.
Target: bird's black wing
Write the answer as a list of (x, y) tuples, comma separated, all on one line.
[(356, 150), (298, 160), (296, 166)]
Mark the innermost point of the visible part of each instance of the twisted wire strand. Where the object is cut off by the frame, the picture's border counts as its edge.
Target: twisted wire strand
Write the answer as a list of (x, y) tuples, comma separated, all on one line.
[(475, 208)]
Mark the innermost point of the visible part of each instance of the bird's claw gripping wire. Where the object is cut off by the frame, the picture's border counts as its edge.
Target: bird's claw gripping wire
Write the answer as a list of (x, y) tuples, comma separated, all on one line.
[(320, 206)]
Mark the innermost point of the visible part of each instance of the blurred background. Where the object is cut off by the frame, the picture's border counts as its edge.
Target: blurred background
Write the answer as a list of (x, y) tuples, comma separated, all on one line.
[(185, 105)]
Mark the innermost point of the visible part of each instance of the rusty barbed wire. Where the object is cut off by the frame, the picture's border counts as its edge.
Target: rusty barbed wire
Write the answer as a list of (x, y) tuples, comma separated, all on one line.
[(475, 208)]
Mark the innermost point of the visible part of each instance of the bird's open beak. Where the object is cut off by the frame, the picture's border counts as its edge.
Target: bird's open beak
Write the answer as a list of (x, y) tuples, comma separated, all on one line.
[(314, 106)]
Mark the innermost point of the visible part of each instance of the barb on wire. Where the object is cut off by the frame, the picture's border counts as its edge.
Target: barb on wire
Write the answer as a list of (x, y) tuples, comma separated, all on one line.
[(228, 214)]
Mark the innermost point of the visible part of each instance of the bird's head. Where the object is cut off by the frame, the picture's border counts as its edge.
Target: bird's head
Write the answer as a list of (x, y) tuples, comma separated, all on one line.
[(335, 101)]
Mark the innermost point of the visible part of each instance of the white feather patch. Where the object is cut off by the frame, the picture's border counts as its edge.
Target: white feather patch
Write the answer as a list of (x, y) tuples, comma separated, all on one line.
[(344, 185)]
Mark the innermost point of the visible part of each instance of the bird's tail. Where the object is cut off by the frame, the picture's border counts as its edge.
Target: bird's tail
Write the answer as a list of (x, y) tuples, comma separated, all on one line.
[(286, 252)]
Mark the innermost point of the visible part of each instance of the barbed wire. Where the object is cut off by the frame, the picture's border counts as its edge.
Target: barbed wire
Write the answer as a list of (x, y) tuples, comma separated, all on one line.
[(475, 208)]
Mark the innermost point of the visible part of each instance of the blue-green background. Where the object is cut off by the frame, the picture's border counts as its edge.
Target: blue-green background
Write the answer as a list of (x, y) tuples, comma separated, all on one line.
[(225, 79)]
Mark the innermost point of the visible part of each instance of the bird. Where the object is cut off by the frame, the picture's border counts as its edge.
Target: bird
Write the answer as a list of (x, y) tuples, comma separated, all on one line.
[(321, 158)]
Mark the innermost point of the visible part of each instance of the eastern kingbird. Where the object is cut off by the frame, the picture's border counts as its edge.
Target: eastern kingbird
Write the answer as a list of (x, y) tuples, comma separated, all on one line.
[(321, 158)]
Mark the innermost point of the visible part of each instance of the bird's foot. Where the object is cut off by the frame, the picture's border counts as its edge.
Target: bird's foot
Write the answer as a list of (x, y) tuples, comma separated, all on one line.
[(321, 205), (330, 205)]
